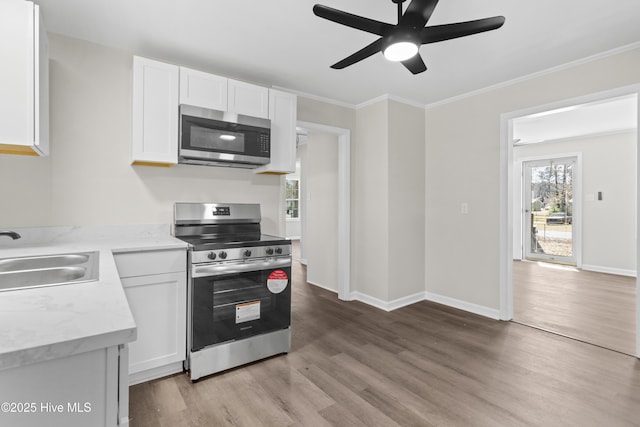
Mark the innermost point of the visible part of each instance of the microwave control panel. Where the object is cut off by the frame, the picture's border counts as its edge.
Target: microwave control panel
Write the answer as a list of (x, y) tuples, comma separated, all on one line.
[(265, 142)]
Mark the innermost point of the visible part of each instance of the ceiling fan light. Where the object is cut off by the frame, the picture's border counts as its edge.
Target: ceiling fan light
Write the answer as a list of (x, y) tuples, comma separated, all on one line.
[(400, 51)]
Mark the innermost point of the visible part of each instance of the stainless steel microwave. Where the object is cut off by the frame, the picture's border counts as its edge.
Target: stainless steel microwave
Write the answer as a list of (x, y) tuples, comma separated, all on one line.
[(219, 138)]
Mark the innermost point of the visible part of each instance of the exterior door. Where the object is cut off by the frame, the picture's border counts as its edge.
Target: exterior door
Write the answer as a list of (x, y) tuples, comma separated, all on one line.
[(548, 210)]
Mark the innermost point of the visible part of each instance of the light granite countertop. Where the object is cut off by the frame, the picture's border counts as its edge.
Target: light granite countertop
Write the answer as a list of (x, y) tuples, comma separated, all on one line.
[(47, 323)]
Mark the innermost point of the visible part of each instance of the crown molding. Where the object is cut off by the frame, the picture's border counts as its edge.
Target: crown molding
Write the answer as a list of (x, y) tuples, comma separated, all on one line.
[(316, 97), (387, 97), (537, 74)]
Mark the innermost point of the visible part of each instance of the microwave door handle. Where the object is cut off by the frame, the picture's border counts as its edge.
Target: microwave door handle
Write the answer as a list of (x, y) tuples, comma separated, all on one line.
[(241, 267)]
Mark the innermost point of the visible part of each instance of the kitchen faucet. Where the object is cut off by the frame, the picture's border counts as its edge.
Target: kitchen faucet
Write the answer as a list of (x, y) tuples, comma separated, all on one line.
[(11, 234)]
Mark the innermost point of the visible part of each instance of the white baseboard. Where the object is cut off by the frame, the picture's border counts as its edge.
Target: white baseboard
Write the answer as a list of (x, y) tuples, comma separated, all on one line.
[(152, 374), (369, 300), (481, 310), (601, 269), (463, 305), (387, 305), (322, 286), (405, 301)]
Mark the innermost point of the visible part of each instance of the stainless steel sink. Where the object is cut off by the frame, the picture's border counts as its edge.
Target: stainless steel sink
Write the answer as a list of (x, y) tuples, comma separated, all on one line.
[(47, 261), (48, 270)]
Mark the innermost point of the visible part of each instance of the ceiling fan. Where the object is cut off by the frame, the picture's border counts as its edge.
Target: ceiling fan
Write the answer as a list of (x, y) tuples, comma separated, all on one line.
[(402, 41)]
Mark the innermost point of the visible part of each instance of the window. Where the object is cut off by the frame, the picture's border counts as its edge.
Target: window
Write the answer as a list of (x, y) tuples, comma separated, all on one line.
[(292, 198)]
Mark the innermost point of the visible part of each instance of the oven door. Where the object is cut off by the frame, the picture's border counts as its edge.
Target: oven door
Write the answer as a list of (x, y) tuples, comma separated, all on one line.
[(240, 300)]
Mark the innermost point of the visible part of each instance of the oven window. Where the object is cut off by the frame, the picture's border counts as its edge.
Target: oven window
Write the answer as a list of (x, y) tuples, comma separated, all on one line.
[(236, 306), (235, 298), (217, 140)]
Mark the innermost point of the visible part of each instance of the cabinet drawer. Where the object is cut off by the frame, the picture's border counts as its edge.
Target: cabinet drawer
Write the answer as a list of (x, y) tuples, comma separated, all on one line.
[(144, 263)]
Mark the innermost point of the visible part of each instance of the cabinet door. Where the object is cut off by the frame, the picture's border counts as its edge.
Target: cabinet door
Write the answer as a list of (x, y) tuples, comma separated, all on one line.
[(85, 384), (283, 115), (248, 99), (203, 89), (155, 113), (158, 304), (23, 80), (41, 80)]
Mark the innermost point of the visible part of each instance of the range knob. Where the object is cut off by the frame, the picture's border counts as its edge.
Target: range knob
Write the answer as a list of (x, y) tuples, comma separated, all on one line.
[(269, 251), (247, 253), (211, 255), (278, 251), (223, 255)]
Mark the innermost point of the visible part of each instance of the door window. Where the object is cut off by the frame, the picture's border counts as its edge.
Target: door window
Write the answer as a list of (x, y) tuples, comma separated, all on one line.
[(548, 210)]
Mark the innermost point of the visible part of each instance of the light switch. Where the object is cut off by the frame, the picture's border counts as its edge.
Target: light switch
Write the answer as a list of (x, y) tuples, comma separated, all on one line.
[(464, 208)]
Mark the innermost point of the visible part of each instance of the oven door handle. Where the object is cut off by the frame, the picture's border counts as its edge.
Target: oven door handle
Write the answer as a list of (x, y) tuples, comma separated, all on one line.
[(240, 267)]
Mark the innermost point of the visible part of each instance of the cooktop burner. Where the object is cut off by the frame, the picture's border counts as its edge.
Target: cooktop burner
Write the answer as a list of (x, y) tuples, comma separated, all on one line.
[(209, 226), (202, 243)]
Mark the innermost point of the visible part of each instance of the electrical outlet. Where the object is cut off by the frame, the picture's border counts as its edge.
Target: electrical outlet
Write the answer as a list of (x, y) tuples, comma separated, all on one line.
[(464, 208)]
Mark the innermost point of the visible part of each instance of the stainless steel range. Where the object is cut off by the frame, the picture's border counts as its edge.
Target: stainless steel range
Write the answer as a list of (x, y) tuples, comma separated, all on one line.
[(239, 288)]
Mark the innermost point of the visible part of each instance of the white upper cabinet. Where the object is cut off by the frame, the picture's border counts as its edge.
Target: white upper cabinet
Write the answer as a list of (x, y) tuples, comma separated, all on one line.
[(160, 88), (203, 89), (24, 80), (155, 113), (283, 115), (206, 90), (248, 99)]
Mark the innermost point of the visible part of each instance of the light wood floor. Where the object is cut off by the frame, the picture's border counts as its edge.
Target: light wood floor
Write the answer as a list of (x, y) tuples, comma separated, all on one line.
[(422, 365), (594, 307)]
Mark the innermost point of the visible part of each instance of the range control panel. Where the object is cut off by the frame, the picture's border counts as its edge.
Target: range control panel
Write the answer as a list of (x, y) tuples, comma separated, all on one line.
[(221, 211), (235, 254)]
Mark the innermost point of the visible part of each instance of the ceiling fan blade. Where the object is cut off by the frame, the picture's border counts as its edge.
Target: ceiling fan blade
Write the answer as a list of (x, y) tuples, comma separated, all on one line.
[(350, 20), (418, 13), (363, 53), (438, 33), (415, 64)]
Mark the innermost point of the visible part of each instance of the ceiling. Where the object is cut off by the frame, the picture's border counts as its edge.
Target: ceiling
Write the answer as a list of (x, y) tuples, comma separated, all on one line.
[(282, 43), (595, 118)]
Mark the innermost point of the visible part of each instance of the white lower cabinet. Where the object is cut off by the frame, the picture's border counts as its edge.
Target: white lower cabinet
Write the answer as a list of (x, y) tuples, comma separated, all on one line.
[(81, 390), (155, 283)]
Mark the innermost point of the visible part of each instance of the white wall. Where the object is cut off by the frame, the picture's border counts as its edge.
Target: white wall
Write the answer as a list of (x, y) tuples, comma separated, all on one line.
[(321, 220), (387, 197), (293, 229), (608, 228), (371, 202), (88, 180), (406, 200), (462, 163)]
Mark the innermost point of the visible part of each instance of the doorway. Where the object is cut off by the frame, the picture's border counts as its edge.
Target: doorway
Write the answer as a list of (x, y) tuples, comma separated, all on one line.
[(523, 240), (341, 257), (548, 209)]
